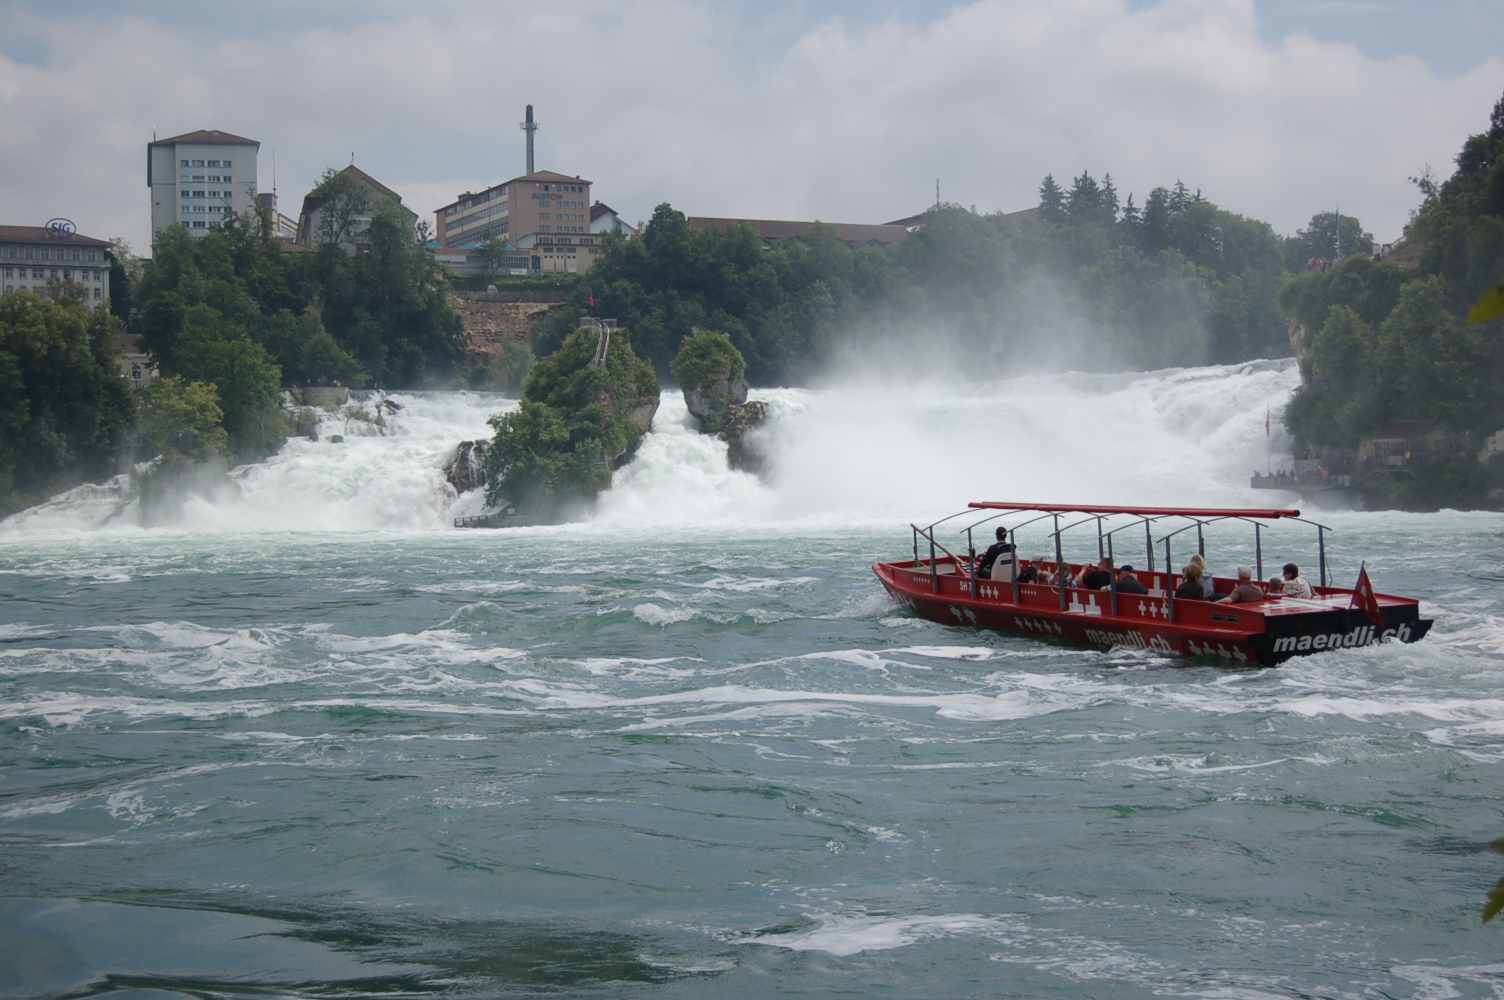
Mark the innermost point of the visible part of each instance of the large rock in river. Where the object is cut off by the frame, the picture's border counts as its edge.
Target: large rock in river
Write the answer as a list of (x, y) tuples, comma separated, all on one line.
[(712, 374), (584, 411)]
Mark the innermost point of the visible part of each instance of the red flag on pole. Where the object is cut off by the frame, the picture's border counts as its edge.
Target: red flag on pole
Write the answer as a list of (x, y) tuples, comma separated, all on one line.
[(1365, 598), (592, 300)]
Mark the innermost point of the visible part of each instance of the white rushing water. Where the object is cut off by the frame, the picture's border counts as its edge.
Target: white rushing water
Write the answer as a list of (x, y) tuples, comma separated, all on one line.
[(868, 452)]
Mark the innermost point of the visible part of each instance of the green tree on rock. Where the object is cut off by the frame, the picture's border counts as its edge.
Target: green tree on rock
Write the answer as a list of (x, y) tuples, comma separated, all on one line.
[(576, 423)]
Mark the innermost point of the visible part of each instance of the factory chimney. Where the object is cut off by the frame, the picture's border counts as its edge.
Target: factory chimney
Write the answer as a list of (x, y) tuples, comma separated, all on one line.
[(529, 127)]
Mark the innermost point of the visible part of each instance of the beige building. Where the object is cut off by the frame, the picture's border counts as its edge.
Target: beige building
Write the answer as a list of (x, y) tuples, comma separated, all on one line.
[(30, 255), (199, 178), (545, 214), (312, 228)]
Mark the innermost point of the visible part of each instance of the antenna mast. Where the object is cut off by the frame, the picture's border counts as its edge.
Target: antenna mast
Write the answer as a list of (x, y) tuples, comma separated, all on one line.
[(529, 126)]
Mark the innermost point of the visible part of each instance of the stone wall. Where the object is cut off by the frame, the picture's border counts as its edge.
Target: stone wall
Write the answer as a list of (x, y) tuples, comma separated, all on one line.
[(494, 318)]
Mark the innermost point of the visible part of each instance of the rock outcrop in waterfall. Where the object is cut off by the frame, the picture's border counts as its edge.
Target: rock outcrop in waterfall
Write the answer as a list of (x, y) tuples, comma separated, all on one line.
[(712, 373), (585, 409), (466, 469)]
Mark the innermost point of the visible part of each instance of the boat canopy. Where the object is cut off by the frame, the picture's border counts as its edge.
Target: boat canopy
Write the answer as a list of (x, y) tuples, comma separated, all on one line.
[(1198, 512)]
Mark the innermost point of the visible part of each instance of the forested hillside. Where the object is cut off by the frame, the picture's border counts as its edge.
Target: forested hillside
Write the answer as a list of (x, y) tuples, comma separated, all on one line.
[(235, 311), (1388, 344), (1085, 279)]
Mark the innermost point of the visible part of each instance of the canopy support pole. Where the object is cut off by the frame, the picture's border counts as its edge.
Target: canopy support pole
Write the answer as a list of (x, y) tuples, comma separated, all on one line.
[(1016, 570), (971, 552), (1258, 549), (1321, 545), (1169, 582), (1060, 569), (1112, 587)]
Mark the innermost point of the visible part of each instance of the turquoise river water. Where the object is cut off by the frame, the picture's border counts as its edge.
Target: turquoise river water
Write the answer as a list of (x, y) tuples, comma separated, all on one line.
[(312, 742)]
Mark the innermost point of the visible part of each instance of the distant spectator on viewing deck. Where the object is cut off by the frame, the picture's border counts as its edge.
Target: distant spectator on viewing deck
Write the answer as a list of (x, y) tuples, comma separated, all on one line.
[(1246, 592), (1295, 584), (1128, 583)]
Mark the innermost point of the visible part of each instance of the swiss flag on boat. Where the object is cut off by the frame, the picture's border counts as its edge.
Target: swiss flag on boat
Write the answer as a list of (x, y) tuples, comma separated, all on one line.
[(1365, 598)]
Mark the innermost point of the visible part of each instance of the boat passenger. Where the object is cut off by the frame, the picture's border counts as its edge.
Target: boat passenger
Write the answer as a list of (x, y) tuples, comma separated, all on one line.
[(1295, 585), (998, 562), (1128, 583), (1030, 572), (1208, 585), (1099, 577), (1276, 587), (1246, 592), (1190, 587)]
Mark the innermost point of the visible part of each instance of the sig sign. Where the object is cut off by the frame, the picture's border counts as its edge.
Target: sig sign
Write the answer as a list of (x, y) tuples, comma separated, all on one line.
[(61, 229)]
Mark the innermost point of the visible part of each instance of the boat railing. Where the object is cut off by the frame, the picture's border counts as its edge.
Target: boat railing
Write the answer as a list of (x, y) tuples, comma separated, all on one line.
[(934, 571)]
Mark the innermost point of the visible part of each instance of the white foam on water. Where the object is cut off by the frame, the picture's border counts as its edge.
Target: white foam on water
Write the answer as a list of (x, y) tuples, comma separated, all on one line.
[(843, 934)]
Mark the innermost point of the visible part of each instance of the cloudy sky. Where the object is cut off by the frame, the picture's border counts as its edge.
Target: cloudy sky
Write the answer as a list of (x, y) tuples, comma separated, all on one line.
[(843, 110)]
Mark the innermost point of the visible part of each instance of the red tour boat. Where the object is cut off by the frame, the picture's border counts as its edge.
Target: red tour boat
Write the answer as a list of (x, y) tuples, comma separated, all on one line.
[(946, 588)]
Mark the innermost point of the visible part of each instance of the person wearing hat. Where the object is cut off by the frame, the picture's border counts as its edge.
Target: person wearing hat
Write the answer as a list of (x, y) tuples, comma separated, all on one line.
[(1128, 583)]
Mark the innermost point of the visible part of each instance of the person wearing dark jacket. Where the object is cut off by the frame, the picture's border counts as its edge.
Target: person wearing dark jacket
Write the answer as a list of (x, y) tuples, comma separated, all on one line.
[(997, 563), (1190, 587), (1099, 578), (1128, 583)]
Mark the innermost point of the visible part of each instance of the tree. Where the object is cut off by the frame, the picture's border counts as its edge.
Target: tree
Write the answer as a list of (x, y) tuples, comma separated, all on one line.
[(1320, 239), (577, 421), (1051, 200), (343, 202), (184, 422), (64, 406)]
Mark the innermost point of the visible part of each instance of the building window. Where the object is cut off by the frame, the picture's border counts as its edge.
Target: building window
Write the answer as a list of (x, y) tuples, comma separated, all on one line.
[(28, 252), (53, 271), (67, 274), (93, 255), (213, 163), (36, 274), (75, 255), (185, 163), (198, 163), (198, 224), (96, 293), (226, 164), (8, 272), (543, 215)]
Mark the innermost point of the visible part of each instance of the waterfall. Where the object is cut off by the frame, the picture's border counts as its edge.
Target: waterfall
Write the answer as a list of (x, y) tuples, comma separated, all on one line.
[(837, 455)]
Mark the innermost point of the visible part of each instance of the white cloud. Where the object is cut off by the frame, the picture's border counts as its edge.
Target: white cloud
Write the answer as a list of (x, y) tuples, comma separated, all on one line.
[(660, 100)]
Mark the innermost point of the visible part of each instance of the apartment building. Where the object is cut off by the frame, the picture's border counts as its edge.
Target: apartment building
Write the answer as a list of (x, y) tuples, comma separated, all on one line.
[(199, 178), (544, 213), (31, 255)]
